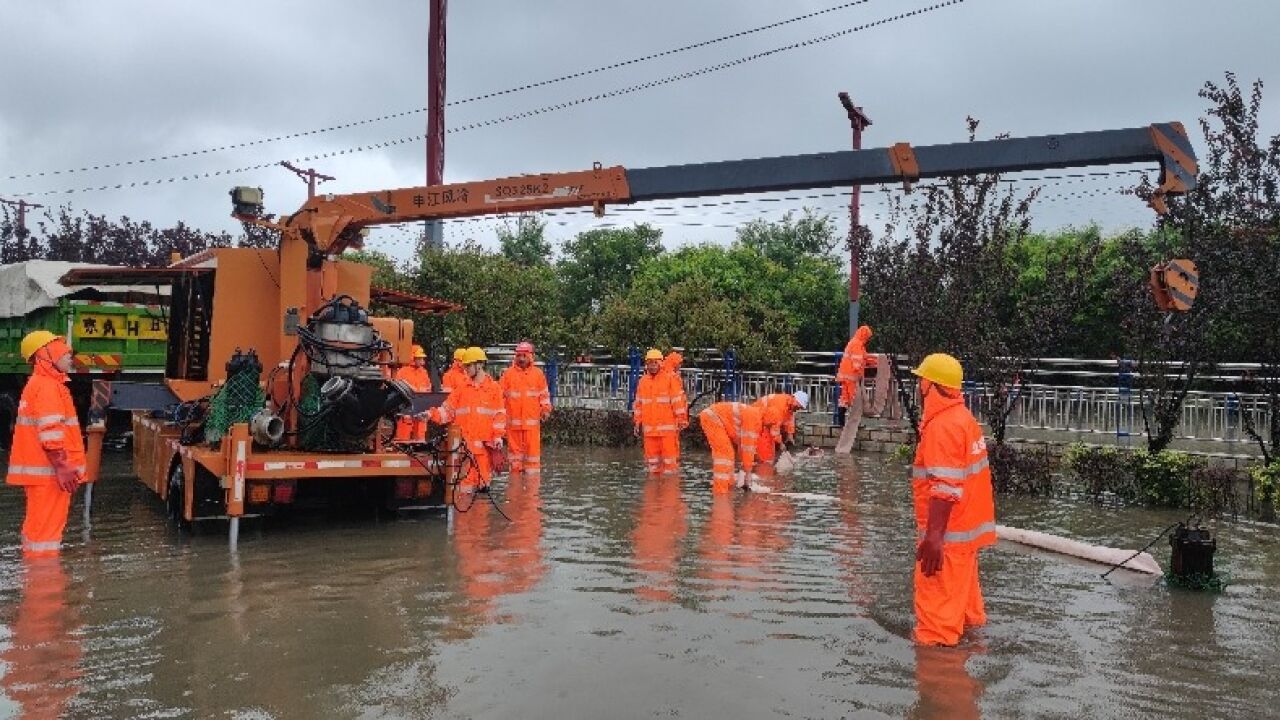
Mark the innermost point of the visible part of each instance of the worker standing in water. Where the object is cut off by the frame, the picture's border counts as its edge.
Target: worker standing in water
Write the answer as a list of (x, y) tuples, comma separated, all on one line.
[(671, 365), (47, 459), (853, 366), (779, 421), (476, 406), (657, 414), (455, 375), (408, 427), (955, 512), (732, 428), (528, 403)]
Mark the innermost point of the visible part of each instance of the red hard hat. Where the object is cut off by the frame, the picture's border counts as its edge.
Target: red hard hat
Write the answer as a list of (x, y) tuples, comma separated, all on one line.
[(525, 347)]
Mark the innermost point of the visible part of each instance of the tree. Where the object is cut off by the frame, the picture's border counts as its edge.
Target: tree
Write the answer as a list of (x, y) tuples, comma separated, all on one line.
[(788, 242), (505, 302), (525, 243), (600, 263), (947, 276)]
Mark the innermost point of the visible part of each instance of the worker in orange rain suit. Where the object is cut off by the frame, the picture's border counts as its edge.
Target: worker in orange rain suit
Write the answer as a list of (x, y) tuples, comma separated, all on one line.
[(853, 365), (680, 402), (528, 403), (779, 420), (476, 407), (955, 512), (731, 426), (659, 413), (455, 375), (42, 658), (408, 427), (47, 458)]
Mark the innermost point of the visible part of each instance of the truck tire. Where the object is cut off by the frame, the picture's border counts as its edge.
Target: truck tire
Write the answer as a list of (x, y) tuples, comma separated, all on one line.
[(174, 497)]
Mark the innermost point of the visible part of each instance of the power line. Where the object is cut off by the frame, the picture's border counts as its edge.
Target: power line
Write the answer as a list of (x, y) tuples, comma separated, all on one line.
[(522, 115), (476, 98)]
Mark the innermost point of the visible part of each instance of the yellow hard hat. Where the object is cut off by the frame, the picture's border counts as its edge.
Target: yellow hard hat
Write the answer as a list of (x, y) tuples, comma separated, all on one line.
[(35, 340), (653, 354), (474, 355), (418, 352), (942, 369), (459, 354)]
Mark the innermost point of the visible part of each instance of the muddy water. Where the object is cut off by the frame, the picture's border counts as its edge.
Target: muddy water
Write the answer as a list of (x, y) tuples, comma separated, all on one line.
[(609, 596)]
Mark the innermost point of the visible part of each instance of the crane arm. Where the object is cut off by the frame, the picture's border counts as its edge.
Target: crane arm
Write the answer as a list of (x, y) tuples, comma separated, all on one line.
[(330, 223)]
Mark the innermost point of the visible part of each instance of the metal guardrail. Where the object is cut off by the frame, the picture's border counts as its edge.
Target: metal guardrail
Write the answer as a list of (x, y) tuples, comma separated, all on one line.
[(1207, 416)]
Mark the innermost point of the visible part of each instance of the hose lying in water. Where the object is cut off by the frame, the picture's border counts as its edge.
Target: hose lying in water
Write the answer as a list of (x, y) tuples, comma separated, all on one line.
[(1140, 561), (436, 448)]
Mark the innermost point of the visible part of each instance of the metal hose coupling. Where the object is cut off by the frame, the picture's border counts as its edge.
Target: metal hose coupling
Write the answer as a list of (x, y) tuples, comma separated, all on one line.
[(266, 428)]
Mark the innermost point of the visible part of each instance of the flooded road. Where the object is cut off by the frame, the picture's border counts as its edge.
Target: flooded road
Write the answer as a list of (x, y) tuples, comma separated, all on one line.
[(607, 595)]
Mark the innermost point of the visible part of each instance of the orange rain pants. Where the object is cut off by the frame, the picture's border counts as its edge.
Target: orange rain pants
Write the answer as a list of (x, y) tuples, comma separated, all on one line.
[(528, 403), (949, 601), (409, 428), (661, 411), (730, 427)]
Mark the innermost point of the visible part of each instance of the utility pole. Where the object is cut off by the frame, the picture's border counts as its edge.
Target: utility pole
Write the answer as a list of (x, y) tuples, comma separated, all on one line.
[(433, 230), (310, 175), (858, 121), (22, 206)]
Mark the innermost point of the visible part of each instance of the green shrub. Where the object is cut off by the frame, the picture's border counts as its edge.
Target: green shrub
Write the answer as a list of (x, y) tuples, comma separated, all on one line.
[(1164, 478), (1212, 489), (1026, 471), (1102, 471), (1266, 484)]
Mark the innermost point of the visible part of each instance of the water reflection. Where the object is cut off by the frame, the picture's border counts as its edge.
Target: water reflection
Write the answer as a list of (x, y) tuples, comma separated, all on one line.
[(661, 526), (742, 542), (497, 556), (42, 661), (945, 687)]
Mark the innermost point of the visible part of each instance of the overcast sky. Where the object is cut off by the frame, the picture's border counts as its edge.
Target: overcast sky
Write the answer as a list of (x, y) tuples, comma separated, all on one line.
[(109, 82)]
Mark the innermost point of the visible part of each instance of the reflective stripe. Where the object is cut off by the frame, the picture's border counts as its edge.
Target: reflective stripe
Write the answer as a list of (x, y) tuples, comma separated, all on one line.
[(41, 546), (662, 428), (51, 435), (970, 535), (946, 489), (487, 411), (48, 420), (948, 472), (31, 470)]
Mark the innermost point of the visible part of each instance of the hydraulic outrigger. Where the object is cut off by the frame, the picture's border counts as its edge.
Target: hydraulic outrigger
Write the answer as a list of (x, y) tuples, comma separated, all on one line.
[(300, 308)]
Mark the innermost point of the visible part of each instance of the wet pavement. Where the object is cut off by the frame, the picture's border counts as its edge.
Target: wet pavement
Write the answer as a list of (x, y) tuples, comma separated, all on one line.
[(608, 595)]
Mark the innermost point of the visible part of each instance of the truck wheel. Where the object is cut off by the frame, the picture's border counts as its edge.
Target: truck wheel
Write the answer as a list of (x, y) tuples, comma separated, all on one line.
[(173, 501)]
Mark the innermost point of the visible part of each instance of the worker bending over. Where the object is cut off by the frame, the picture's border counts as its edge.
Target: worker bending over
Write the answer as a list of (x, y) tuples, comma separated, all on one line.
[(47, 458), (476, 407), (455, 375), (410, 428), (779, 420), (955, 513), (659, 413), (853, 366), (732, 428), (528, 403)]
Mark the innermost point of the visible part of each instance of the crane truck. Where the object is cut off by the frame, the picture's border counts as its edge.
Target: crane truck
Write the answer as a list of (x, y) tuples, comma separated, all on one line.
[(273, 383)]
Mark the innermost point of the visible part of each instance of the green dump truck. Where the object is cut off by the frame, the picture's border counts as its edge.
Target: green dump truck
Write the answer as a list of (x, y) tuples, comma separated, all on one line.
[(116, 332)]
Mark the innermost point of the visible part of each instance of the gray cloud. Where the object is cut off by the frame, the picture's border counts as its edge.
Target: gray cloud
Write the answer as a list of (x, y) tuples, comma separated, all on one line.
[(104, 82)]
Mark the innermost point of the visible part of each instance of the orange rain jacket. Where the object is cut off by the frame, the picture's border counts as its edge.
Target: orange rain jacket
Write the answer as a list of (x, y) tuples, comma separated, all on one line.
[(417, 377), (779, 414), (854, 364), (453, 379), (660, 406), (742, 423), (46, 424), (527, 398), (951, 464), (477, 409)]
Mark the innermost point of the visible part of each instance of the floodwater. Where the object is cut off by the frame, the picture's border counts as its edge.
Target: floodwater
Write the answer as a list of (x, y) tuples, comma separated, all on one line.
[(608, 595)]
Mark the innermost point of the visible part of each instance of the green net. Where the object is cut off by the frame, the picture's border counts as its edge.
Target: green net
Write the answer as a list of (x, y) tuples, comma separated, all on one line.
[(235, 402)]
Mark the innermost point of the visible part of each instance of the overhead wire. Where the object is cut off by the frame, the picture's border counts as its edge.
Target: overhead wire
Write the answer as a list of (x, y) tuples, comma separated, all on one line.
[(452, 103), (513, 117)]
